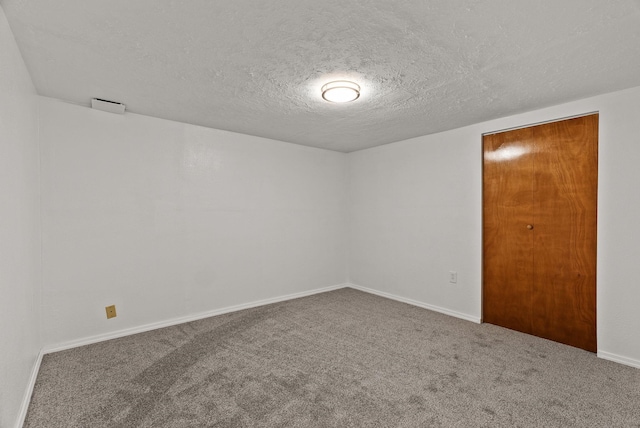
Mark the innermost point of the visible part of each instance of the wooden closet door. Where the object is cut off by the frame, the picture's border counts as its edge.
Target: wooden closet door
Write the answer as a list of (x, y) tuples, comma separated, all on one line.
[(565, 209), (508, 244), (539, 226)]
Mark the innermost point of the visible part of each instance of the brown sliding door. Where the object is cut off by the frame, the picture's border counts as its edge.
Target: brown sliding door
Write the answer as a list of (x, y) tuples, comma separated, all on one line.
[(539, 230)]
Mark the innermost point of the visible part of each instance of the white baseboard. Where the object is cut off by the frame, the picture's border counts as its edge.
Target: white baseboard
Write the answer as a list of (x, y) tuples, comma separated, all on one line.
[(417, 303), (619, 359), (174, 321), (26, 399)]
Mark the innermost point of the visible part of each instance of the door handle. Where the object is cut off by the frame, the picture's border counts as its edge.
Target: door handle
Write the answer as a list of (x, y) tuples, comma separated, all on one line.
[(530, 226)]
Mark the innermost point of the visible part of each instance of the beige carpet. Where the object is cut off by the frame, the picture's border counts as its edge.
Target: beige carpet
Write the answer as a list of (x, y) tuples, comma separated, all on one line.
[(338, 359)]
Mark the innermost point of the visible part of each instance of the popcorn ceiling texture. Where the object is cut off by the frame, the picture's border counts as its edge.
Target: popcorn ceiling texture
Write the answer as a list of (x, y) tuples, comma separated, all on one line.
[(256, 67)]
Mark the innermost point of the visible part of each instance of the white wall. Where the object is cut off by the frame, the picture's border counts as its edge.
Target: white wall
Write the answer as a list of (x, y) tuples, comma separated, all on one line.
[(19, 228), (416, 207), (414, 217), (165, 219)]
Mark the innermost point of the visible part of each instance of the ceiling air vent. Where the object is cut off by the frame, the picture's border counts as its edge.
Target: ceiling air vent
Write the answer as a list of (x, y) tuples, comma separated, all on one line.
[(106, 105)]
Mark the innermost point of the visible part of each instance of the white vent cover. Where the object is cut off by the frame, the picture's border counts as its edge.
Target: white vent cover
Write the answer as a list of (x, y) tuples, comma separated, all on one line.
[(106, 105)]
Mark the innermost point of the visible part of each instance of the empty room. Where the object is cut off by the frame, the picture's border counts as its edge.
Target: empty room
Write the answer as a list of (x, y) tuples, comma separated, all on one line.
[(319, 213)]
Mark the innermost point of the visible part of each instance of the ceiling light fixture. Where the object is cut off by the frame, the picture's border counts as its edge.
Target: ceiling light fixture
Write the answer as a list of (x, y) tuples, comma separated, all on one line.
[(340, 91)]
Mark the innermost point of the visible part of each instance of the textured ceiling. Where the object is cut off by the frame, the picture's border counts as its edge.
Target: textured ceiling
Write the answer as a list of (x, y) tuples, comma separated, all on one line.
[(256, 67)]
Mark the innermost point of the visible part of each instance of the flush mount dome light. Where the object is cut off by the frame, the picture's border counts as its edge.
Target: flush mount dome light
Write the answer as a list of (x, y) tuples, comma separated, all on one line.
[(340, 91)]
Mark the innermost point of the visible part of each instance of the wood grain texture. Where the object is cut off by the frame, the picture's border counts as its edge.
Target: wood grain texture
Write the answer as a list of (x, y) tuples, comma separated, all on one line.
[(565, 210), (542, 280), (508, 244)]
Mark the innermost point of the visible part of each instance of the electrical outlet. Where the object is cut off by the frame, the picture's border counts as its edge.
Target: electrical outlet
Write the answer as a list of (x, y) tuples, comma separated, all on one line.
[(111, 311), (453, 277)]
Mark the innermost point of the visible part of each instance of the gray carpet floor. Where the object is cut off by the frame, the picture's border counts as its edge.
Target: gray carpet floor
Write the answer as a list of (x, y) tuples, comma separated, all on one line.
[(339, 359)]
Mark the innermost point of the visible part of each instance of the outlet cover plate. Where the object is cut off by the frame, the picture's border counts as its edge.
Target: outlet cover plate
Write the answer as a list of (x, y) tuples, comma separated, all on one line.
[(111, 311), (453, 277)]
